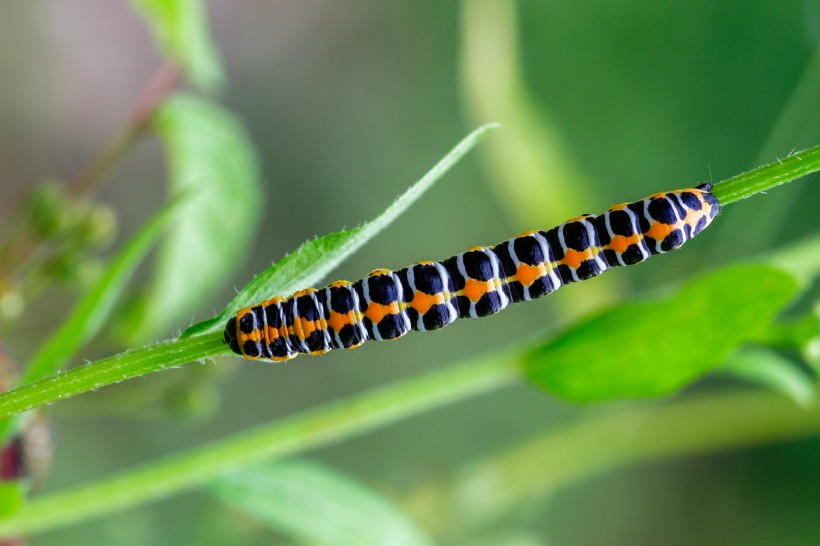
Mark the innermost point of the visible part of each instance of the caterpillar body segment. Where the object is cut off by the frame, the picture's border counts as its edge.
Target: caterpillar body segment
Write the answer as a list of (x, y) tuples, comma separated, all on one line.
[(479, 282)]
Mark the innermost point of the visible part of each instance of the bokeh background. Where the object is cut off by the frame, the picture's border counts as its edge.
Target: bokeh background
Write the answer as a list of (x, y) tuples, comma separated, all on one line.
[(350, 102)]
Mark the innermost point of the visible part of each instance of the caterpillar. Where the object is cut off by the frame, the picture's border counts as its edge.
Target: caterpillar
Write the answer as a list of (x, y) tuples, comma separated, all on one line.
[(482, 281)]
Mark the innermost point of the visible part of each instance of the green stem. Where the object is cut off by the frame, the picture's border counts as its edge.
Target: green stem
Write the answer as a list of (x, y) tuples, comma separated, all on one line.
[(626, 436), (320, 426), (768, 176), (89, 315), (109, 371), (176, 352), (311, 429)]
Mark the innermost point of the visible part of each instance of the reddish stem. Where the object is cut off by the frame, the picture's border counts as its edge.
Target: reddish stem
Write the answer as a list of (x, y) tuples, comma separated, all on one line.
[(157, 89)]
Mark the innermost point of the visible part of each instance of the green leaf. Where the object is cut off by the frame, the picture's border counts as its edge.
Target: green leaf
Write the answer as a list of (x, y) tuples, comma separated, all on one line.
[(179, 351), (771, 370), (318, 427), (12, 497), (181, 29), (654, 347), (317, 505), (210, 156), (318, 257), (91, 313)]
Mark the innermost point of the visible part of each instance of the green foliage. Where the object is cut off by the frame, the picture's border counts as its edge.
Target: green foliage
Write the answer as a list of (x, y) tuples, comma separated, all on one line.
[(574, 452), (93, 310), (770, 369), (181, 28), (651, 348), (90, 314), (49, 210), (314, 428), (721, 310), (643, 347), (71, 230), (12, 497), (314, 504), (802, 336), (323, 253), (133, 363), (212, 161), (316, 258)]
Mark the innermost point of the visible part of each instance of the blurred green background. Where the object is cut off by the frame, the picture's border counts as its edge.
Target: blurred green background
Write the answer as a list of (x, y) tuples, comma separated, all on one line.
[(350, 102)]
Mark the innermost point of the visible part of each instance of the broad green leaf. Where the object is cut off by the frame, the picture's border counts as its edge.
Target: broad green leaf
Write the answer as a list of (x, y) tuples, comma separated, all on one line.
[(210, 156), (314, 504), (316, 258), (771, 370), (181, 29), (654, 347)]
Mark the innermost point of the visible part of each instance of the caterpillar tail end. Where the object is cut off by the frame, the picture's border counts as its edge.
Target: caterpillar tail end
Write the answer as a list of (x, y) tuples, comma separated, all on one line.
[(229, 337)]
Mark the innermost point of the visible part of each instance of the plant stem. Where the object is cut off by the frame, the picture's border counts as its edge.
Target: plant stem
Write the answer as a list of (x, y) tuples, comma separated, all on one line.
[(176, 352), (22, 246), (759, 180), (89, 315), (311, 429), (108, 371), (627, 436), (163, 81)]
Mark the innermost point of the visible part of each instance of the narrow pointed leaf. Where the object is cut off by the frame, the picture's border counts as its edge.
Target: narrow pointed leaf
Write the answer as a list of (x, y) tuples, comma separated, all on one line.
[(314, 504), (91, 313), (316, 258)]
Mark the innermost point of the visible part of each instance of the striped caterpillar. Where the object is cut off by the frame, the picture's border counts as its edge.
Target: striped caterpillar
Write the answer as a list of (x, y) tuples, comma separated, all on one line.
[(479, 282)]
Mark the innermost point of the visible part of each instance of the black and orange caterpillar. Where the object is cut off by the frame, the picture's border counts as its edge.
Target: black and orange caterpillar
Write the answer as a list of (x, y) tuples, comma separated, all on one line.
[(479, 282)]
